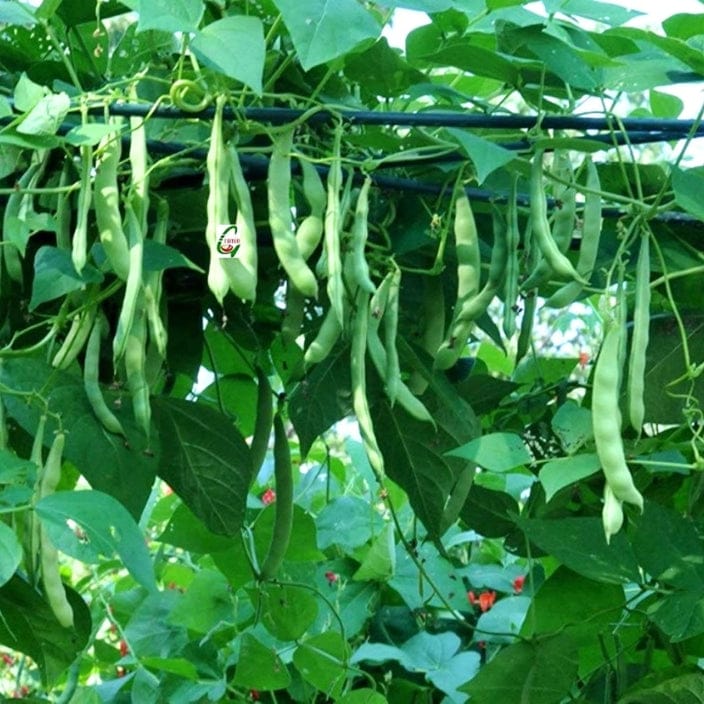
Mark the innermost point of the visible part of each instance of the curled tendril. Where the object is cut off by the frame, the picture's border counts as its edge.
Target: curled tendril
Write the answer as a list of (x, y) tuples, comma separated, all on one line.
[(182, 89)]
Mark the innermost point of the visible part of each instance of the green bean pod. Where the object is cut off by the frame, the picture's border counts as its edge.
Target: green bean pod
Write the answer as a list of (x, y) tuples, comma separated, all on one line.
[(139, 187), (135, 360), (635, 387), (513, 237), (333, 231), (49, 557), (293, 314), (606, 420), (558, 262), (611, 513), (79, 245), (9, 251), (33, 526), (310, 231), (358, 374), (390, 319), (132, 287), (403, 395), (328, 335), (450, 350), (263, 422), (525, 334), (152, 284), (280, 219), (467, 250), (360, 232), (106, 199), (283, 519), (217, 165), (63, 209), (76, 338), (589, 247), (243, 280), (91, 379)]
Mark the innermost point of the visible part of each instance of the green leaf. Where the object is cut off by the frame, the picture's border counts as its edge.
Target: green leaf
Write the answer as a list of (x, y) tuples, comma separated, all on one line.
[(108, 527), (186, 531), (363, 696), (206, 604), (108, 464), (323, 30), (55, 276), (159, 257), (573, 425), (504, 620), (10, 553), (488, 512), (170, 15), (321, 662), (14, 469), (214, 45), (148, 630), (89, 135), (260, 667), (680, 615), (380, 560), (486, 156), (29, 626), (12, 13), (496, 452), (436, 655), (684, 25), (541, 672), (665, 105), (557, 474), (591, 607), (684, 689), (413, 458), (174, 666), (579, 543), (668, 547), (46, 116), (287, 612), (206, 462), (27, 93), (605, 12), (687, 186), (322, 398), (347, 521), (303, 549)]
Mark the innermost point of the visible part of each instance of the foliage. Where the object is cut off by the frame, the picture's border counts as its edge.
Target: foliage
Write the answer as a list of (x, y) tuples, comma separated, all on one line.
[(455, 549)]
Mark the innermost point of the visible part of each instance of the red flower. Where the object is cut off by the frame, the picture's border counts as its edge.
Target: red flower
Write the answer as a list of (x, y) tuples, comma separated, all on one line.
[(485, 600), (583, 359), (254, 695), (332, 577), (518, 584), (8, 659), (268, 497), (124, 648)]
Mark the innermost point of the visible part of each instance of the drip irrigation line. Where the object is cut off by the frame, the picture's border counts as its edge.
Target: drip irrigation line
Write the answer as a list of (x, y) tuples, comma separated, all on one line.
[(435, 118)]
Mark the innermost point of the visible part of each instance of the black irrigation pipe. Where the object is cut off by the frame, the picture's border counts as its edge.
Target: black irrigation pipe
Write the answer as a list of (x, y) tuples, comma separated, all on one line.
[(435, 118)]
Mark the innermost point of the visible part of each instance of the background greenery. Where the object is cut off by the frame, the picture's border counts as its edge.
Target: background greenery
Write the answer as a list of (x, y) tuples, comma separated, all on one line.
[(479, 571)]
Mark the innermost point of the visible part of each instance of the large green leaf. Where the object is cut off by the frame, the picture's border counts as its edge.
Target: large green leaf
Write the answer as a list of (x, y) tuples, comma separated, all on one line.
[(414, 458), (321, 660), (206, 604), (683, 689), (591, 607), (486, 156), (489, 512), (579, 543), (260, 667), (29, 626), (106, 528), (688, 188), (496, 452), (214, 45), (54, 275), (170, 15), (323, 30), (287, 612), (206, 462), (539, 672), (322, 398), (10, 553), (561, 472), (105, 460)]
